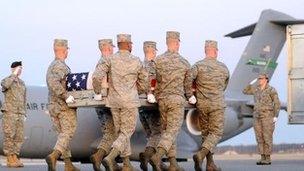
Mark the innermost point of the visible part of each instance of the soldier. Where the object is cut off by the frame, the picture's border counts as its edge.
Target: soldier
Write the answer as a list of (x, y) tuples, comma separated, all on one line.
[(64, 118), (266, 112), (14, 113), (150, 119), (211, 78), (104, 113), (126, 77), (173, 81)]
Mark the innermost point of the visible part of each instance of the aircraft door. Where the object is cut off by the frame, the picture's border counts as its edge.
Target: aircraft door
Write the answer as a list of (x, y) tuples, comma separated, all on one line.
[(295, 99)]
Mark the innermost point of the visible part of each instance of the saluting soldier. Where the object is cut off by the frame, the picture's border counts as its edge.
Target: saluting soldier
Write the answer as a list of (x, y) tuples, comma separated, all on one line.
[(173, 81), (104, 114), (210, 78), (150, 119), (127, 77), (64, 118), (266, 111), (14, 112)]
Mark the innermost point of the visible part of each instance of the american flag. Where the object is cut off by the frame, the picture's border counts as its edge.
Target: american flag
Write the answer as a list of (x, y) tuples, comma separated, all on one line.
[(79, 81)]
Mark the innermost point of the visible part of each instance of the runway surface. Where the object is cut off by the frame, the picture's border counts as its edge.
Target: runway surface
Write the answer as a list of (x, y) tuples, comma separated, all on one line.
[(290, 162)]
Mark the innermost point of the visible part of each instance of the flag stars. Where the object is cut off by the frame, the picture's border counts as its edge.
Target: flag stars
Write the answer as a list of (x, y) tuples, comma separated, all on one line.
[(78, 84), (69, 84), (74, 77), (83, 77)]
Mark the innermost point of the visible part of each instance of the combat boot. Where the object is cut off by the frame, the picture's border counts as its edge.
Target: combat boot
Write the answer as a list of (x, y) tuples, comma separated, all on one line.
[(96, 159), (10, 161), (51, 160), (16, 160), (109, 161), (68, 165), (155, 160), (126, 164), (174, 165), (210, 166), (263, 158), (267, 160), (145, 157), (198, 158)]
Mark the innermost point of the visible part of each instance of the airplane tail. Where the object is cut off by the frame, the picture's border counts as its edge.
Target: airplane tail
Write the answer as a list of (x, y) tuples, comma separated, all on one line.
[(268, 36)]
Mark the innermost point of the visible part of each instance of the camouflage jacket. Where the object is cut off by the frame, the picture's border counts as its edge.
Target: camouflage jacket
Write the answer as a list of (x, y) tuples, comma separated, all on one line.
[(56, 82), (150, 67), (14, 95), (126, 78), (172, 76), (265, 100), (211, 78)]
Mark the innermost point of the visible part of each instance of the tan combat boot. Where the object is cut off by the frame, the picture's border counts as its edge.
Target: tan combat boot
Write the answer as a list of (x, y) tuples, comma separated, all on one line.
[(51, 160), (198, 158), (155, 160), (96, 159), (16, 160), (126, 164), (10, 161), (68, 165), (145, 157), (263, 158), (267, 160), (109, 161), (174, 165), (210, 166)]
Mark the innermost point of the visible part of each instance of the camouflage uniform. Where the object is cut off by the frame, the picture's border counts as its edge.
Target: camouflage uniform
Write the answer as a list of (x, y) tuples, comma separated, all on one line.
[(64, 118), (14, 110), (173, 81), (126, 75), (267, 106), (211, 79)]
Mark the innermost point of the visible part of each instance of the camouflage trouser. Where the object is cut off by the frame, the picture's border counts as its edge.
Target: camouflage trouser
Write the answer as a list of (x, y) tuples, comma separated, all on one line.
[(211, 124), (172, 116), (150, 120), (107, 129), (263, 128), (125, 123), (12, 132), (65, 124)]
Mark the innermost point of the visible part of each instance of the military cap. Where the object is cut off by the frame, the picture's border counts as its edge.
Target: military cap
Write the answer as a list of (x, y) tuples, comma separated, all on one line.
[(16, 64), (263, 75), (61, 42), (103, 42), (211, 43), (124, 38), (173, 35), (150, 44)]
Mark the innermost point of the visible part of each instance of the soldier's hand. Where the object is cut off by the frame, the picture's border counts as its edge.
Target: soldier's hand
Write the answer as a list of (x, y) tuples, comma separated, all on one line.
[(151, 98), (253, 81), (192, 99), (98, 97), (275, 119), (70, 99)]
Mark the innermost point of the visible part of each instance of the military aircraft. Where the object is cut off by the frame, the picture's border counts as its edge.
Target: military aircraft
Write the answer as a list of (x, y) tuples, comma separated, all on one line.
[(267, 39)]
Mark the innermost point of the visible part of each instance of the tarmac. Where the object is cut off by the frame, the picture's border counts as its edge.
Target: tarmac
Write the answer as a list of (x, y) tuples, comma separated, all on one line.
[(280, 162)]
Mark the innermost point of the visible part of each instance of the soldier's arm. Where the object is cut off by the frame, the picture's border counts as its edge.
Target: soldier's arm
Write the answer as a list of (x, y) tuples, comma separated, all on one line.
[(227, 79), (276, 102), (7, 82), (58, 73), (249, 90), (143, 79), (188, 81), (100, 72)]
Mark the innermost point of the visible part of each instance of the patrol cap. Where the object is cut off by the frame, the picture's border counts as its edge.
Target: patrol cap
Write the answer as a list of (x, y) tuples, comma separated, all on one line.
[(211, 43), (16, 64), (61, 43), (103, 42), (124, 38), (151, 44), (173, 35)]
